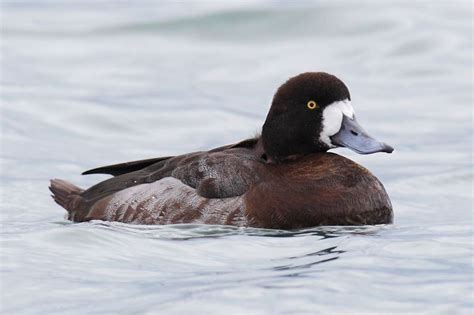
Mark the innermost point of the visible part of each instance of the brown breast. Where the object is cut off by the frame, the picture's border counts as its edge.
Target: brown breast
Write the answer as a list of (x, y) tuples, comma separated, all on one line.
[(318, 189)]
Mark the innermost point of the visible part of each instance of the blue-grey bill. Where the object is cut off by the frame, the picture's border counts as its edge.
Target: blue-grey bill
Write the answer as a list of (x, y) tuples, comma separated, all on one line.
[(353, 136)]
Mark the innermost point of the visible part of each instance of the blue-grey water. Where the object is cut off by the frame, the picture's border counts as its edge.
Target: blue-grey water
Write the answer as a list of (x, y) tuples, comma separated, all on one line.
[(88, 83)]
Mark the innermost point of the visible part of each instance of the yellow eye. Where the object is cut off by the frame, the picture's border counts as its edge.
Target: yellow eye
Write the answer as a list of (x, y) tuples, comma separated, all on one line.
[(312, 105)]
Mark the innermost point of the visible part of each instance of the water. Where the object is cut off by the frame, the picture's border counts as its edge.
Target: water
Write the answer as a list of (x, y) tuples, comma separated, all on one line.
[(88, 83)]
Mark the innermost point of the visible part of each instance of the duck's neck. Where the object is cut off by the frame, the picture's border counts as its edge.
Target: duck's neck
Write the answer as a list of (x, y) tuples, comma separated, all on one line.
[(260, 151), (271, 159)]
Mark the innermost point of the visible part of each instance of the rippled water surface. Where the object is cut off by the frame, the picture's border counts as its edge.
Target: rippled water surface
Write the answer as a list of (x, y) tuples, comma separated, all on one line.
[(88, 83)]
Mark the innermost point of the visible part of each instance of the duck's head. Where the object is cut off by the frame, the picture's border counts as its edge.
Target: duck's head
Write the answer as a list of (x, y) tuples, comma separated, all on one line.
[(311, 113)]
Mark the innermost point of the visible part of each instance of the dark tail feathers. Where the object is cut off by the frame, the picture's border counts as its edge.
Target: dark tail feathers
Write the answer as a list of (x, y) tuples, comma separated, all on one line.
[(65, 194)]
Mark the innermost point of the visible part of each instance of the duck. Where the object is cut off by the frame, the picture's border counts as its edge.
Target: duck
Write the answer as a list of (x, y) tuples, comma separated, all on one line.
[(284, 178)]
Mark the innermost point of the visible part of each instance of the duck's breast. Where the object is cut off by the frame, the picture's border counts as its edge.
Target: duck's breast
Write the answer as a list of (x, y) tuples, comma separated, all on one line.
[(319, 189)]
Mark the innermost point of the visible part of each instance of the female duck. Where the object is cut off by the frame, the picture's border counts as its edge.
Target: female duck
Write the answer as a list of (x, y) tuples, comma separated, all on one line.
[(283, 179)]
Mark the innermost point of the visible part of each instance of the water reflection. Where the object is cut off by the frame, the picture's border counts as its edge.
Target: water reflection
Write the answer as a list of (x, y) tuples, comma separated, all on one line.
[(330, 251), (192, 231)]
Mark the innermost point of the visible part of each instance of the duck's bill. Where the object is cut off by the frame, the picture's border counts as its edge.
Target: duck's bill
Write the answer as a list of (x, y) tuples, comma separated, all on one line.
[(353, 136)]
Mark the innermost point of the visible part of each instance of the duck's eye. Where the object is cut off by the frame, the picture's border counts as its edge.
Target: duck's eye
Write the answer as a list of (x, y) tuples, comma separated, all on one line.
[(312, 105)]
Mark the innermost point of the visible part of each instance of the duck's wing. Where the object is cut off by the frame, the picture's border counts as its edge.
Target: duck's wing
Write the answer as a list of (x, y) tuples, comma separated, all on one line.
[(132, 166), (192, 169), (124, 168), (219, 174)]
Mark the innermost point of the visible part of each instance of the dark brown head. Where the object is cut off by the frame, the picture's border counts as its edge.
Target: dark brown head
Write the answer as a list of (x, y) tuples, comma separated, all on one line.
[(310, 113)]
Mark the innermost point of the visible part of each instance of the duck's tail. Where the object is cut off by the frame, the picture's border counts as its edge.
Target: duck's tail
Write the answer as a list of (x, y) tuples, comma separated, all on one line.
[(66, 195)]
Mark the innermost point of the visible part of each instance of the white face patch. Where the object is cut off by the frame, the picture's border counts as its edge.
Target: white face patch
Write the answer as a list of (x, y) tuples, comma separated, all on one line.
[(332, 119)]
